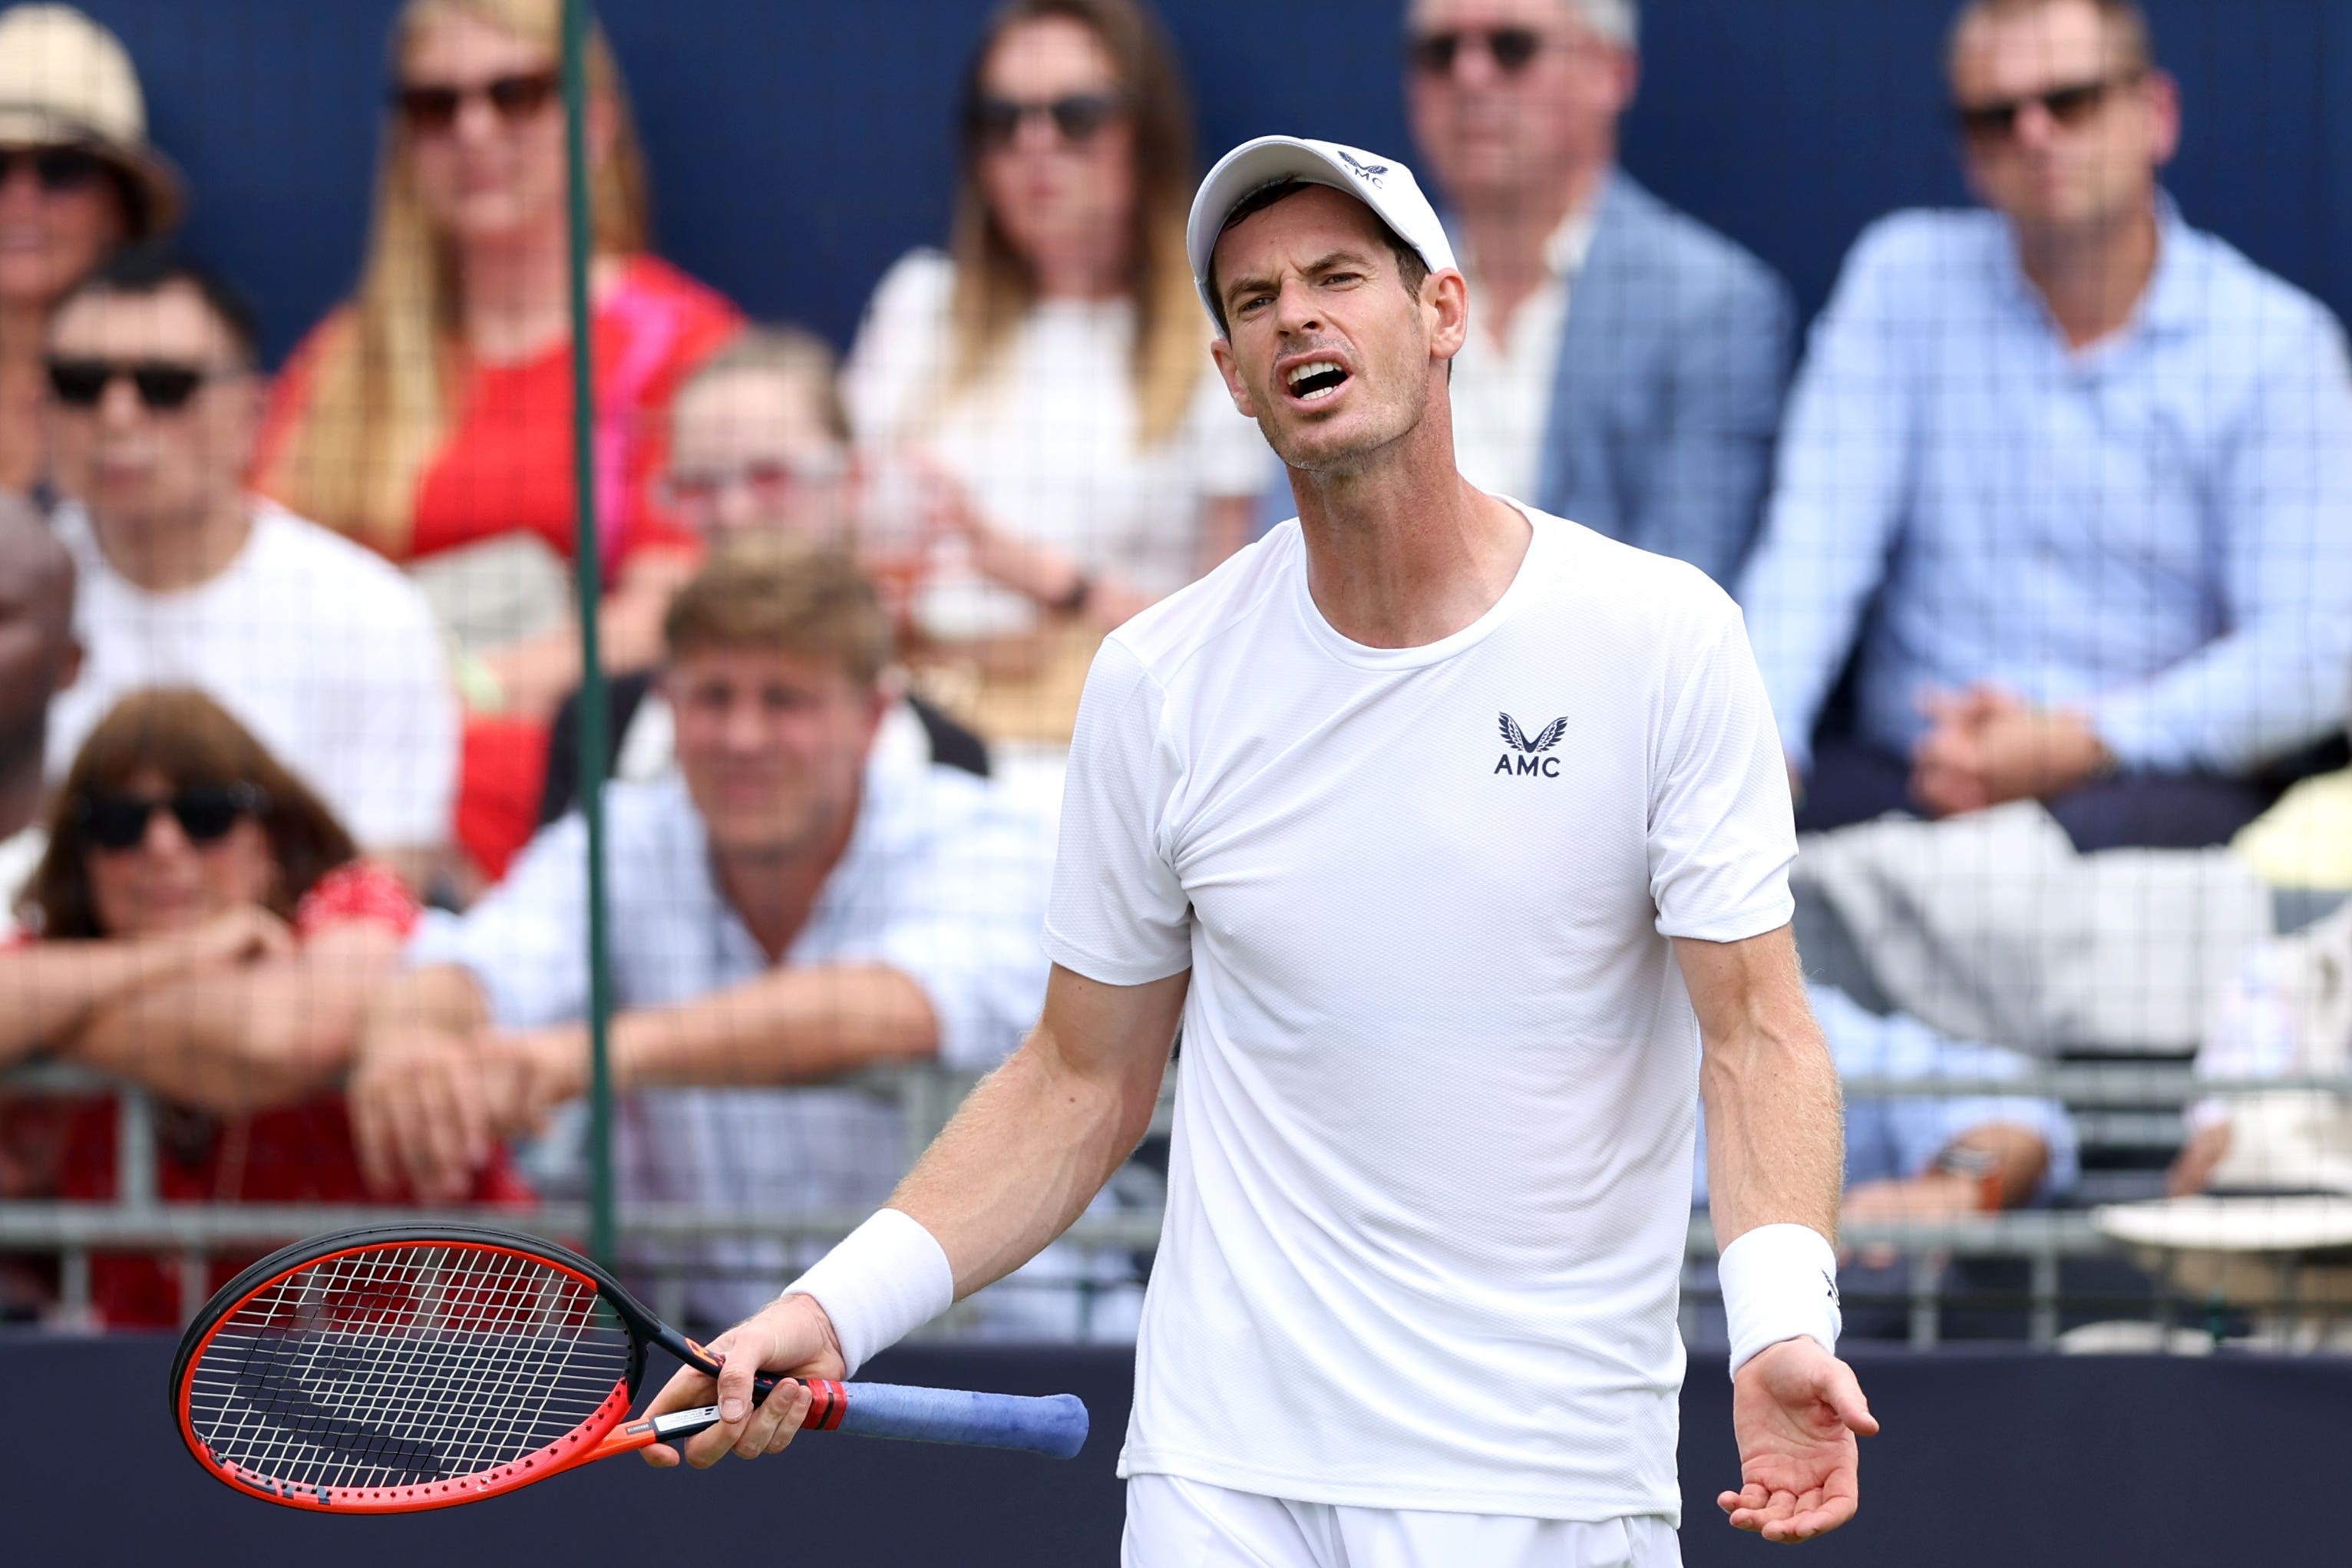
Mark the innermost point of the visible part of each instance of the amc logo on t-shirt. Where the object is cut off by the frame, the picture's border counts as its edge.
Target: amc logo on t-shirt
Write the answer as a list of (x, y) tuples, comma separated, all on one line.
[(1526, 759)]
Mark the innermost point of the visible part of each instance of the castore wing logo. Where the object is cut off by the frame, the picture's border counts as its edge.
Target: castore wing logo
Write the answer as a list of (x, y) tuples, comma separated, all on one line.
[(1525, 758)]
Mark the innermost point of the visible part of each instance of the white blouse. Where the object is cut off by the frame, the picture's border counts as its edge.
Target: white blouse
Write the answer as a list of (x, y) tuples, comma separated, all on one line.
[(1046, 442)]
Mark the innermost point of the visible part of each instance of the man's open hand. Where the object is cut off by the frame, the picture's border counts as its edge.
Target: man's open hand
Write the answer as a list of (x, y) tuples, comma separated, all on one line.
[(1797, 1410)]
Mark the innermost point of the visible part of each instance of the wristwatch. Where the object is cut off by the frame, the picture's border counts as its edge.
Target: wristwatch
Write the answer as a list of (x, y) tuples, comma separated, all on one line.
[(1080, 594), (1981, 1167)]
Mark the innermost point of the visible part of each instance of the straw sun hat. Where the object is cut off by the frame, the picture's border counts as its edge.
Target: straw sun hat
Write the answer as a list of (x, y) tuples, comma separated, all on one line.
[(65, 81)]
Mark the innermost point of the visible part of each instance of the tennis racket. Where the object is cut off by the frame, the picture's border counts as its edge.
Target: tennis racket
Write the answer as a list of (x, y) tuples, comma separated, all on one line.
[(390, 1369)]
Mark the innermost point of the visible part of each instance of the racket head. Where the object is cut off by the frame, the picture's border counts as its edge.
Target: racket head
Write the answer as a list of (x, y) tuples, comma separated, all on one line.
[(390, 1369)]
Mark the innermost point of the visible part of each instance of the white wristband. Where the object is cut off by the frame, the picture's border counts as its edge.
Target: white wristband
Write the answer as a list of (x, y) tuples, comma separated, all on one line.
[(1779, 1282), (887, 1278)]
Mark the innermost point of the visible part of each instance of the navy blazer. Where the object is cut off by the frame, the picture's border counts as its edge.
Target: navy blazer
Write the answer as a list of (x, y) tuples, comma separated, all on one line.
[(1667, 399)]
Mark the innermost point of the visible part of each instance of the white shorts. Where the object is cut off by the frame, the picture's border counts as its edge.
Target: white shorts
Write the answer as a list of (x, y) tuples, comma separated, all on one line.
[(1176, 1524)]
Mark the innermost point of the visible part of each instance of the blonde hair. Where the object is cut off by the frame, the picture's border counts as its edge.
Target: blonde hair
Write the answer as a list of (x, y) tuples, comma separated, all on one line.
[(778, 591), (786, 353), (995, 287), (381, 388)]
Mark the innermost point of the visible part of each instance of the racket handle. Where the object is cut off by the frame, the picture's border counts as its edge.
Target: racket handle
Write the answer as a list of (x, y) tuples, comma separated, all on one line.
[(1055, 1425)]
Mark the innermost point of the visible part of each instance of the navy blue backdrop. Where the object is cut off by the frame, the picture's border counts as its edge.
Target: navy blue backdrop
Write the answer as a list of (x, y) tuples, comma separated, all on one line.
[(798, 148), (2023, 1460)]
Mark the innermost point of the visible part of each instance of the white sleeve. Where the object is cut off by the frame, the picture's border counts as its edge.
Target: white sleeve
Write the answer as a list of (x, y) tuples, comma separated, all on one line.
[(526, 942), (1722, 830), (901, 347), (1118, 912), (405, 795), (965, 927)]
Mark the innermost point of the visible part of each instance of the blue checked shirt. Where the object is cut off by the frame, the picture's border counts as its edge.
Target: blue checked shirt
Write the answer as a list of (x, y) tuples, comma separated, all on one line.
[(2156, 531), (1897, 1137)]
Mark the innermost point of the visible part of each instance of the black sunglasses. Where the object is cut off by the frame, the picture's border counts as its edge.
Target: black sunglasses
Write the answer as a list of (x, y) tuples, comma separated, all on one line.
[(58, 169), (1511, 48), (205, 813), (1077, 118), (432, 110), (164, 387), (2069, 106)]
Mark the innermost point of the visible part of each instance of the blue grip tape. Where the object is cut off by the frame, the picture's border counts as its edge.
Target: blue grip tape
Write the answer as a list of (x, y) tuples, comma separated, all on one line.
[(1054, 1424)]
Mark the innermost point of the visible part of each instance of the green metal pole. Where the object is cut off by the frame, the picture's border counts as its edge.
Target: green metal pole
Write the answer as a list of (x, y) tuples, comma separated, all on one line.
[(587, 552)]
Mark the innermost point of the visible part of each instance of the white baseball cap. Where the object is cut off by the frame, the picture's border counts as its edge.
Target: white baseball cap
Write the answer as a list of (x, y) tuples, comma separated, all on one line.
[(1381, 184)]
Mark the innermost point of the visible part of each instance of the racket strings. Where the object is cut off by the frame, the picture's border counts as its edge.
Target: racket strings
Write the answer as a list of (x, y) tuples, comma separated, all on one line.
[(403, 1365)]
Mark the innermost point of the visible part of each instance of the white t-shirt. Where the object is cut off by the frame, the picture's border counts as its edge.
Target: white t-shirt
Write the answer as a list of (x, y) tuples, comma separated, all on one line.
[(1502, 387), (319, 646), (1046, 444), (1431, 1172), (20, 854)]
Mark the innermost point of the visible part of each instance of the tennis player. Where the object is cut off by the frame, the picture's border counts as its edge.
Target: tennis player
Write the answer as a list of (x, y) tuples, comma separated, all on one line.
[(1451, 832)]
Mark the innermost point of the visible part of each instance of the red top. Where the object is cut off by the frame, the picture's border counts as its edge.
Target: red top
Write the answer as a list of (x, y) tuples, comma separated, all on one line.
[(507, 465), (302, 1153)]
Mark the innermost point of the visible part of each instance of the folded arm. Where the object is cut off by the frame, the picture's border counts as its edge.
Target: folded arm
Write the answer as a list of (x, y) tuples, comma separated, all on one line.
[(51, 990), (239, 1039)]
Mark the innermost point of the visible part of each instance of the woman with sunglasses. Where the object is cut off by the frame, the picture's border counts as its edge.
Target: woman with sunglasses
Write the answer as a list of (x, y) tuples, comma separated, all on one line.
[(430, 417), (200, 926), (77, 181), (1049, 382)]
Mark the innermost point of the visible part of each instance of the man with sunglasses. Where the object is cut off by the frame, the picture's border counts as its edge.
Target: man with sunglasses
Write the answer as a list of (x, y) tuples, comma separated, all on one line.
[(1625, 364), (2073, 472), (319, 646)]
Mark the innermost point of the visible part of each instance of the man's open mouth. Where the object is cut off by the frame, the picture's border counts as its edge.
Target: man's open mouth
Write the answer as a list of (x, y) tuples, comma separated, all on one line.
[(1316, 379)]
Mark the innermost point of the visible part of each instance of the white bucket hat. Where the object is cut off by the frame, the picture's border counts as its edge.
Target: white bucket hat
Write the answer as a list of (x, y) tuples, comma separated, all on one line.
[(66, 81)]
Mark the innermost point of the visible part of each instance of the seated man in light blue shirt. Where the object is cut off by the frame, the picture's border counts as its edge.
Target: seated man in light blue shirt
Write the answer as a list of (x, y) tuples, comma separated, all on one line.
[(1932, 1157), (787, 906), (2077, 475)]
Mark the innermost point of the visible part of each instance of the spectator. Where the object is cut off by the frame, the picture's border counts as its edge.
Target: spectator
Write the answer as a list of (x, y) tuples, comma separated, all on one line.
[(39, 658), (758, 442), (2075, 471), (785, 911), (1050, 380), (77, 180), (1625, 363), (2286, 1013), (199, 925), (430, 417), (319, 647)]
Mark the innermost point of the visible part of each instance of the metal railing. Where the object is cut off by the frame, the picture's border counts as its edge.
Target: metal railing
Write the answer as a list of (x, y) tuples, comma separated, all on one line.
[(138, 1220)]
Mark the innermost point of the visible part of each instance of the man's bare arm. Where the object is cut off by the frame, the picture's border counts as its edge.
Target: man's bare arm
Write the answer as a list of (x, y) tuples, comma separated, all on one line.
[(1030, 1148), (1775, 1118), (789, 1026), (1776, 1156), (1040, 1135)]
